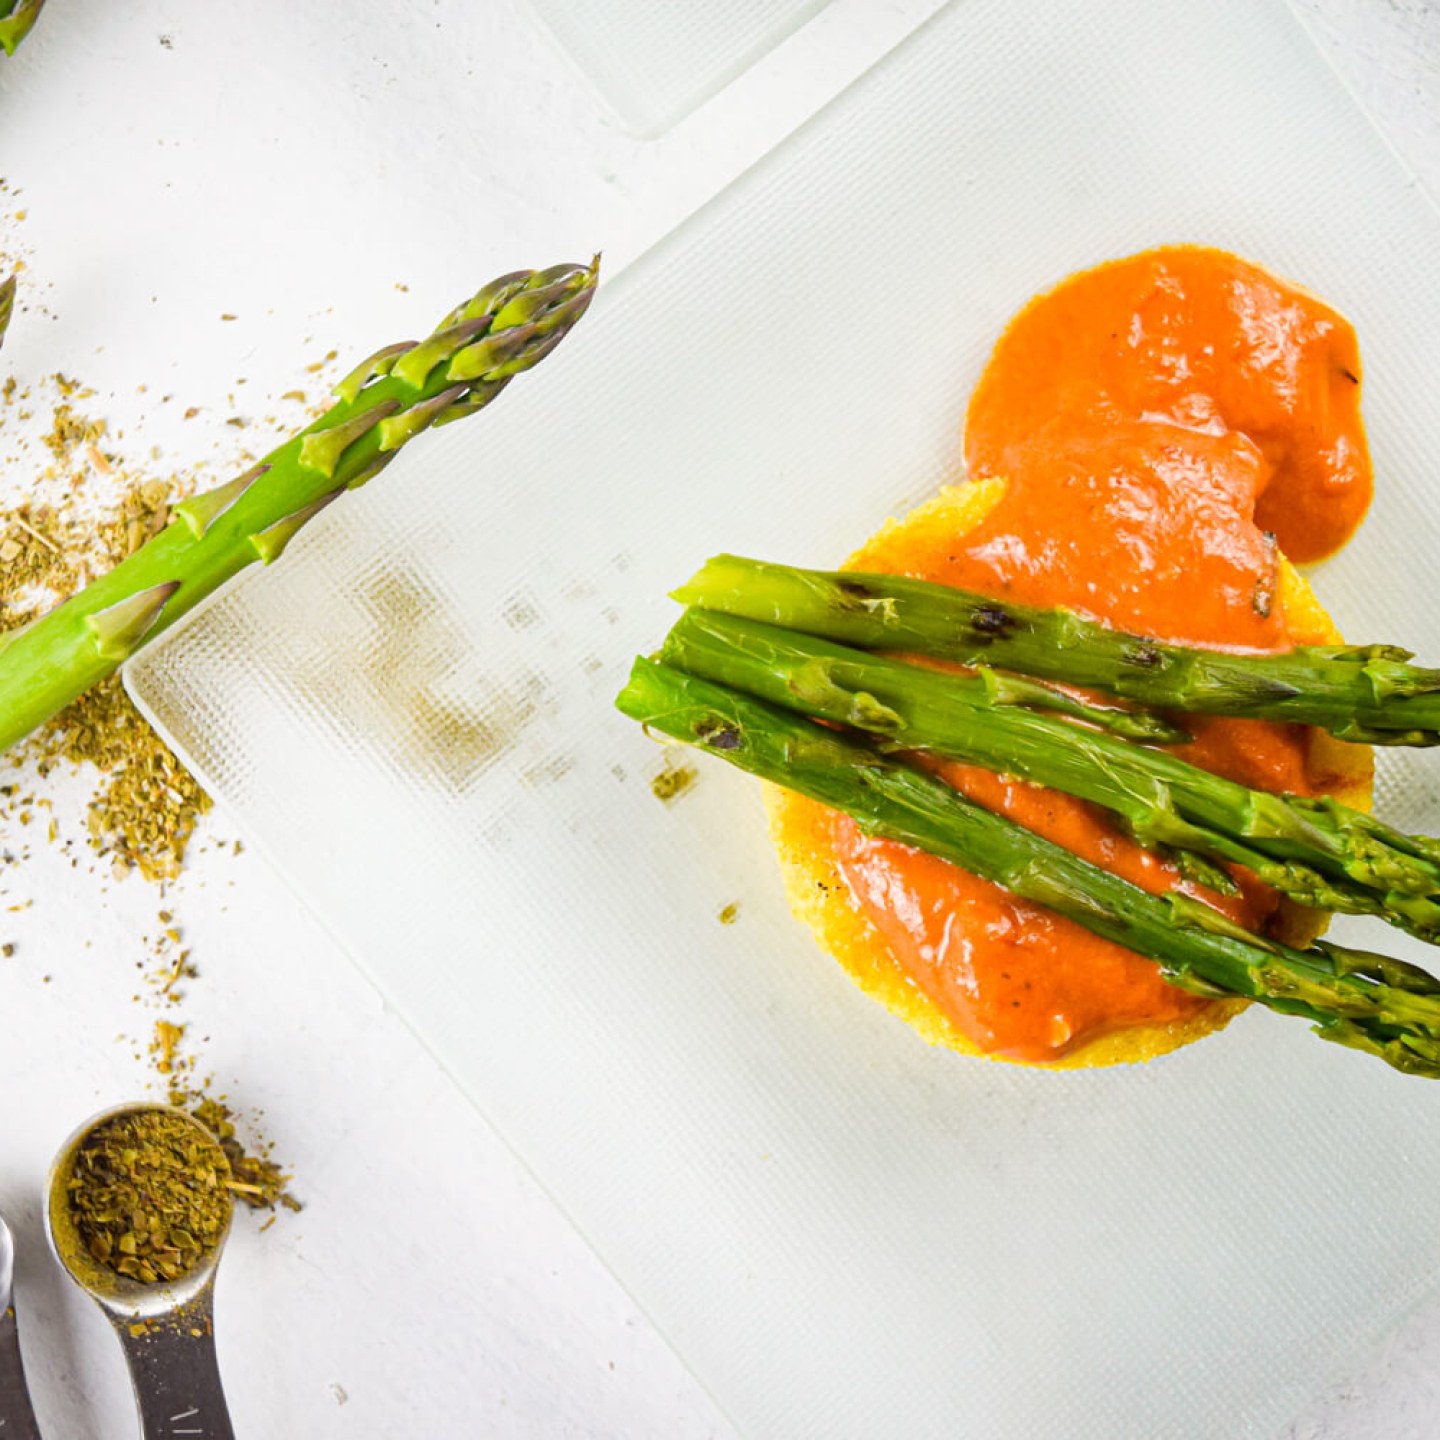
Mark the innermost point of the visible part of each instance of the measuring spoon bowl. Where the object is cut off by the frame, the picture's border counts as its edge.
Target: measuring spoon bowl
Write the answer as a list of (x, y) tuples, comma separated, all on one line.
[(166, 1329)]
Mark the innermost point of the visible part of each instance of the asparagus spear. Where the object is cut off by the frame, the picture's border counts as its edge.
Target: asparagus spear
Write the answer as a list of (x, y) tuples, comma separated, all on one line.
[(1319, 852), (1363, 693), (1368, 1002), (507, 327), (7, 306), (16, 18)]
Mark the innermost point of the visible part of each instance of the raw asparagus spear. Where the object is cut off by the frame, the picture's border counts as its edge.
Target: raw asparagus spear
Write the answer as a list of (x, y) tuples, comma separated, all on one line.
[(7, 306), (1363, 693), (16, 18), (1369, 1002), (507, 327), (1318, 852)]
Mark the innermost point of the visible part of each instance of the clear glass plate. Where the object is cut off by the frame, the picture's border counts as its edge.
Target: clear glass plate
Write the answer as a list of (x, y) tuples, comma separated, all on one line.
[(843, 1232), (654, 61)]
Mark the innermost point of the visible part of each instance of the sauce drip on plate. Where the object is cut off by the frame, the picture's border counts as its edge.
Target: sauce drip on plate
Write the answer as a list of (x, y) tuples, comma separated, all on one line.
[(1165, 426)]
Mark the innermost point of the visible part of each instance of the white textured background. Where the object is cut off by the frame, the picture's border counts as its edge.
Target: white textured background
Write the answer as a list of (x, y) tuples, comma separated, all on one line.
[(524, 1333)]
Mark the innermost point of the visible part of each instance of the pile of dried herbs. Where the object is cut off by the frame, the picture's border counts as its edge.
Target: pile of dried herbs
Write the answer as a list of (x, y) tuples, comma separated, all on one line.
[(74, 508), (146, 804), (149, 1195), (256, 1179)]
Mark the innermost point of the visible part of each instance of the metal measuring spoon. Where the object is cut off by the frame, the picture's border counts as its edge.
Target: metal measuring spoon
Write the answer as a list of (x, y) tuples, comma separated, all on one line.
[(17, 1417), (166, 1329)]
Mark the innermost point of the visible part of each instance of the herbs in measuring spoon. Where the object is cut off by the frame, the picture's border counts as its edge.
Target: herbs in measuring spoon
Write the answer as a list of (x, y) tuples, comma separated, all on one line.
[(148, 1193)]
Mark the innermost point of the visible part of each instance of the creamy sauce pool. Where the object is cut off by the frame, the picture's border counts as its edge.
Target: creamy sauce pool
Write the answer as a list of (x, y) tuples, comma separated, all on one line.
[(1163, 423)]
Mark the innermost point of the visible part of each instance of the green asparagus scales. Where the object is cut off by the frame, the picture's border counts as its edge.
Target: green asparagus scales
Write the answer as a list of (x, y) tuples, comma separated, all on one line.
[(1365, 1001), (7, 306), (1364, 693), (510, 325), (1318, 852), (994, 688), (16, 18)]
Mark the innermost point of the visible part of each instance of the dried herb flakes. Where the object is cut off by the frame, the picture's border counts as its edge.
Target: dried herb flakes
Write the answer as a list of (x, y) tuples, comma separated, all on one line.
[(146, 805), (148, 1194), (256, 1179)]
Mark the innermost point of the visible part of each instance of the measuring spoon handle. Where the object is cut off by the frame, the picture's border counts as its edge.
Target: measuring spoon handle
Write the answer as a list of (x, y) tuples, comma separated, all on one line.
[(17, 1417), (175, 1374)]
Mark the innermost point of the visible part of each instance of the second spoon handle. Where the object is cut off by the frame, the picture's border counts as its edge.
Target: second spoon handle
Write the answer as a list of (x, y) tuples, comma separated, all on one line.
[(176, 1376), (17, 1418)]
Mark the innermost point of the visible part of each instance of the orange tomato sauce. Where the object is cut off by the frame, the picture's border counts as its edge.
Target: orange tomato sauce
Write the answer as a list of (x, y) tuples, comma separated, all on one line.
[(1161, 422)]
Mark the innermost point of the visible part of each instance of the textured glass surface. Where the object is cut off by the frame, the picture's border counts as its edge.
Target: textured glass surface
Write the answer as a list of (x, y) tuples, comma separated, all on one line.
[(654, 61), (844, 1233)]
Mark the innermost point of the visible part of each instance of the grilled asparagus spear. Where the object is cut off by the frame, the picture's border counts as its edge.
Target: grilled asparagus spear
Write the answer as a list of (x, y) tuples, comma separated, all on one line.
[(1317, 851), (1373, 1003), (1367, 693)]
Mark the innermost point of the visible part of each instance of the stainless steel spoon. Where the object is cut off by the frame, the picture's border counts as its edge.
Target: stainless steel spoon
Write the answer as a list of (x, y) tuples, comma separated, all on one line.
[(166, 1329), (17, 1417)]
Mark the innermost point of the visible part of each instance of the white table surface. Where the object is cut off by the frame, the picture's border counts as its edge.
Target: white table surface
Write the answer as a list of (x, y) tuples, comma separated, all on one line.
[(430, 1286)]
